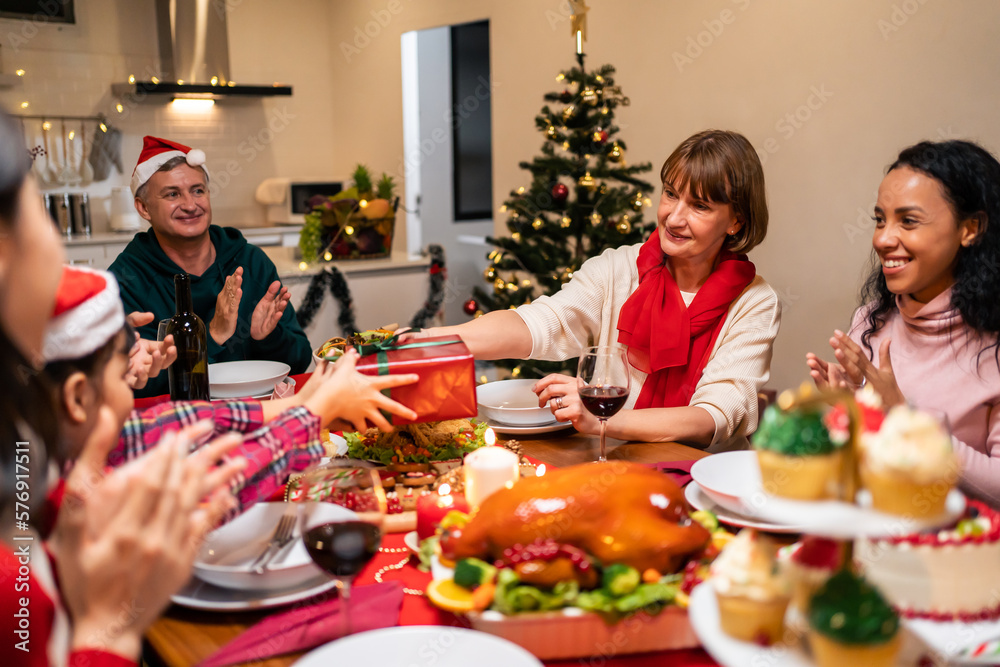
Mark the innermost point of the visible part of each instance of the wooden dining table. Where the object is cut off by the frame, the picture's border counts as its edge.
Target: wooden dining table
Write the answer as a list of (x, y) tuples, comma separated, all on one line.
[(184, 637)]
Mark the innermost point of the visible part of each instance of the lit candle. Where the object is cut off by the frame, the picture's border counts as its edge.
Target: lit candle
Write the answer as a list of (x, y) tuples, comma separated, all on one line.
[(432, 508), (579, 41), (488, 469)]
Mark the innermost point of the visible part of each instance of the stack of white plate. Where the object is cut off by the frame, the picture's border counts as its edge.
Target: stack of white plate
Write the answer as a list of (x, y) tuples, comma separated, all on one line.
[(510, 406)]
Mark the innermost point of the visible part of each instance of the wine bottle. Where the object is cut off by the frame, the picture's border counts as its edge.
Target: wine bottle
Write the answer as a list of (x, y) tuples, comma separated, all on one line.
[(189, 374)]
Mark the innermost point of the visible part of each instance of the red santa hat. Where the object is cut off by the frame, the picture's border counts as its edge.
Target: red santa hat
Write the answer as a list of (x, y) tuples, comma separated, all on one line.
[(156, 152), (88, 313)]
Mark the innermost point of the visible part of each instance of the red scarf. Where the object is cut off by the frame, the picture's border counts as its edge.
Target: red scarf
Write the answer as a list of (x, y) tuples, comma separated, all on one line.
[(668, 340)]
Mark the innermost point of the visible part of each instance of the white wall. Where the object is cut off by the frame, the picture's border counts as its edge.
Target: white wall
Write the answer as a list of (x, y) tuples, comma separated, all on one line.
[(70, 69), (879, 74), (433, 154)]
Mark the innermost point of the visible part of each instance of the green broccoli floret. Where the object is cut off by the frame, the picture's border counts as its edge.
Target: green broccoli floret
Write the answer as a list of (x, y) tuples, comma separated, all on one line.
[(471, 573), (620, 579)]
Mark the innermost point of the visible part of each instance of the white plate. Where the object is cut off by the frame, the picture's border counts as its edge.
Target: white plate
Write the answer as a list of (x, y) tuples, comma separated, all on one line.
[(702, 501), (235, 379), (523, 430), (728, 476), (840, 520), (201, 595), (732, 480), (269, 394), (512, 402), (411, 542), (228, 552), (420, 644), (703, 612)]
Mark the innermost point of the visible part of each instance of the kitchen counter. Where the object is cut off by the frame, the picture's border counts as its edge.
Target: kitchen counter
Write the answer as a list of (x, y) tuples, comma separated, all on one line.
[(287, 263), (252, 234)]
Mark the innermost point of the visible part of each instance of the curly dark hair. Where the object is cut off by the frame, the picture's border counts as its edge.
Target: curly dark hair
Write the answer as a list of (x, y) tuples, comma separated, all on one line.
[(970, 180)]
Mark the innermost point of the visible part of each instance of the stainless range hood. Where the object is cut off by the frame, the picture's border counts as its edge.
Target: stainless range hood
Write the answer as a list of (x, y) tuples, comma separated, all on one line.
[(194, 50)]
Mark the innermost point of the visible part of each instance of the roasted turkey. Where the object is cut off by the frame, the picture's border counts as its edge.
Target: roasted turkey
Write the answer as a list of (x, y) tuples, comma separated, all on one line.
[(617, 512)]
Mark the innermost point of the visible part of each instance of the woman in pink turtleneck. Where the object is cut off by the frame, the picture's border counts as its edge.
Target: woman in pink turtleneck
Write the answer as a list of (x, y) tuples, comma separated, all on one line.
[(927, 333)]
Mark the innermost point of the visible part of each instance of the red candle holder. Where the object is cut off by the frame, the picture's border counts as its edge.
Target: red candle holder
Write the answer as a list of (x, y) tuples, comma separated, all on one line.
[(432, 508)]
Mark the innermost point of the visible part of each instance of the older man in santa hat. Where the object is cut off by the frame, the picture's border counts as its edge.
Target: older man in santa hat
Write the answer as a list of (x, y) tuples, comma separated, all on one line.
[(234, 286)]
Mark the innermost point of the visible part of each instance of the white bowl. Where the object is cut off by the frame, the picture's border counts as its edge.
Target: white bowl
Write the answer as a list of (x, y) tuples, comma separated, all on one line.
[(228, 552), (238, 379), (512, 402)]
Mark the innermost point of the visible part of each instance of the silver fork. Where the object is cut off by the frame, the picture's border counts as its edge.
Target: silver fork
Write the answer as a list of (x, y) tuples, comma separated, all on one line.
[(282, 536)]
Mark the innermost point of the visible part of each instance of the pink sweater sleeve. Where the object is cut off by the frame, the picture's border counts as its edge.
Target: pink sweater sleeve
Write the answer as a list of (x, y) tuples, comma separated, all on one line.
[(980, 476), (981, 471)]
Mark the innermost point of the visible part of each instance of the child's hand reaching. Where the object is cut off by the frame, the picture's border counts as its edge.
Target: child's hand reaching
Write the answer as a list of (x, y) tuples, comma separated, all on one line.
[(351, 399)]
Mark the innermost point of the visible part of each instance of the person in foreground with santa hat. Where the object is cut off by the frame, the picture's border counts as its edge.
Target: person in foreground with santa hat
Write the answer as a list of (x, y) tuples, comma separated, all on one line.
[(234, 285)]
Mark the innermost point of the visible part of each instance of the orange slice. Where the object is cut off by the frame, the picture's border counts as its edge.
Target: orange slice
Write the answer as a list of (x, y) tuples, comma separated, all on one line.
[(447, 595)]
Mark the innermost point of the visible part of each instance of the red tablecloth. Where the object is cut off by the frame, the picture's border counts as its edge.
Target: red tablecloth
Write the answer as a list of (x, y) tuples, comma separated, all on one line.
[(418, 611)]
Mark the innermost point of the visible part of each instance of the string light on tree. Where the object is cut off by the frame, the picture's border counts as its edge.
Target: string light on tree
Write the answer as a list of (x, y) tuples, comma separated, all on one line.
[(579, 176)]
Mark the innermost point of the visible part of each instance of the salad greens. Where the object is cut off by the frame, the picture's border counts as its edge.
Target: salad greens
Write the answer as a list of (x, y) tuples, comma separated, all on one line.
[(360, 446)]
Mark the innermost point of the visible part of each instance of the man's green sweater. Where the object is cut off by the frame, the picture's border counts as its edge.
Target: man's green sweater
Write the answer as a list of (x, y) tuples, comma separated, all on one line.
[(146, 277)]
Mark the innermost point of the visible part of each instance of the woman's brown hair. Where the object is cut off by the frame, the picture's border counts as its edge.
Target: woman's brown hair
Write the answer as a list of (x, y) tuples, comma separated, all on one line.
[(723, 167)]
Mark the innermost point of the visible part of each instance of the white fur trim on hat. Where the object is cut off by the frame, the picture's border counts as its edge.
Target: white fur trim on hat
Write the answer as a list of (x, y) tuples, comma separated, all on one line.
[(145, 170), (85, 328)]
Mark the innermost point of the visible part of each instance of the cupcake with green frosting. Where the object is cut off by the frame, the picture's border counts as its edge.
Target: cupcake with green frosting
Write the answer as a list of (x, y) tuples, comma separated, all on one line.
[(798, 457), (850, 623)]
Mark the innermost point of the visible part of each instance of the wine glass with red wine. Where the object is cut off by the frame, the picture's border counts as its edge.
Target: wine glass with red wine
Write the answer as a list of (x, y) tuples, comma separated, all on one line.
[(604, 380), (343, 546)]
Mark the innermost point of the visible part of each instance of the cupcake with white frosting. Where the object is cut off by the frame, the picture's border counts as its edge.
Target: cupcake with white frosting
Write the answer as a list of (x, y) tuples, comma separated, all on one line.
[(909, 466), (752, 594)]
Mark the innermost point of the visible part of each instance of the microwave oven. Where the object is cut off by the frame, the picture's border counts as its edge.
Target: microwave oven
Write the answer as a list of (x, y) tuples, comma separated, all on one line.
[(287, 201)]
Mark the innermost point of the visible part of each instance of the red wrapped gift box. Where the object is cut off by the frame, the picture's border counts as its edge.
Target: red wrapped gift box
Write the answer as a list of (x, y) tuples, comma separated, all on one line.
[(447, 385)]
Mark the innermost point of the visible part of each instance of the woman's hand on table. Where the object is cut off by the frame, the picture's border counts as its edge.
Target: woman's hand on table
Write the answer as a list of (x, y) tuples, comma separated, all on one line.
[(125, 541), (350, 400), (563, 395)]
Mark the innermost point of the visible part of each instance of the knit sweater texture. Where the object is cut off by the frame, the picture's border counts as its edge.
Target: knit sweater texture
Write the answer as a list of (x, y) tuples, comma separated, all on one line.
[(585, 312), (146, 277)]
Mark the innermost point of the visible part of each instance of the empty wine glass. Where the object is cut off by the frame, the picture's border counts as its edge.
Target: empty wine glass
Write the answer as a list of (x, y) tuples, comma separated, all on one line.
[(604, 378), (343, 546)]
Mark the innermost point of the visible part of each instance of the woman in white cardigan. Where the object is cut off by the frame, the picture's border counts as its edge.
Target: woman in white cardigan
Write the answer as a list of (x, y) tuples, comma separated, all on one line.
[(697, 322)]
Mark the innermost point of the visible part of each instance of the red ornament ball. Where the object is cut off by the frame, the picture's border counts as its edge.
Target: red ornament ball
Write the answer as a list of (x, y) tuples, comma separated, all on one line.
[(470, 307), (560, 192), (602, 137), (565, 96)]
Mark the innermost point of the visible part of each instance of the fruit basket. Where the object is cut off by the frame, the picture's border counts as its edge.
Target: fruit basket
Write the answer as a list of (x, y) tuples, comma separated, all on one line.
[(356, 223)]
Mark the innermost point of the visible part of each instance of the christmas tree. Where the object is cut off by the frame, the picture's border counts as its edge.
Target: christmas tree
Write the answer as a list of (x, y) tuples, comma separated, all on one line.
[(583, 198)]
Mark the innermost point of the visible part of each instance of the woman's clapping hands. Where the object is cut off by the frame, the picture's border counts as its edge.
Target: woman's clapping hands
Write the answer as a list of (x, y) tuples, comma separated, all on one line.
[(125, 540)]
